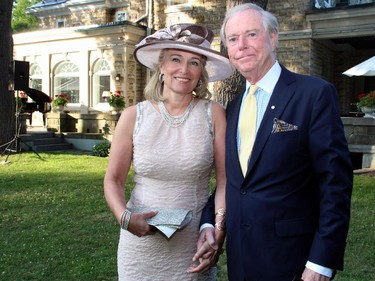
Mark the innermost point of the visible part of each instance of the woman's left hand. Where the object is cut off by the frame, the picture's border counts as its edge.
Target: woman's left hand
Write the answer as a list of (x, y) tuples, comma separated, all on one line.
[(138, 224)]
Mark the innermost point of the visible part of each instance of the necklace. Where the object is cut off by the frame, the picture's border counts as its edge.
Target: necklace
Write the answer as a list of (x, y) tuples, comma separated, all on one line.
[(175, 121)]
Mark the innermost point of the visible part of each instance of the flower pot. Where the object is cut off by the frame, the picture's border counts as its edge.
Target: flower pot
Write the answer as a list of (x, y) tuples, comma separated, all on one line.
[(368, 111), (116, 110), (60, 108)]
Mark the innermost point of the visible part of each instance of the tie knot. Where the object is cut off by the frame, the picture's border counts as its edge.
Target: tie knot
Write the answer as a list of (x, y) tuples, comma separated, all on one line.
[(253, 89)]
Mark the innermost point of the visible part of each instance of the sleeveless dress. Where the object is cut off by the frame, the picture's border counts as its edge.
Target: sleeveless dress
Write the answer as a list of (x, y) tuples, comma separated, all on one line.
[(172, 169)]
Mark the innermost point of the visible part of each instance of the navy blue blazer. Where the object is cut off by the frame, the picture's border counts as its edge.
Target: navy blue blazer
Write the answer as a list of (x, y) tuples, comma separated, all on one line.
[(293, 205)]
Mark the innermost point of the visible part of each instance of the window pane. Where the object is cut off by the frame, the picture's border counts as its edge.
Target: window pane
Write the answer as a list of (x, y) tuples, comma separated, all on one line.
[(101, 84), (66, 81), (101, 80), (36, 77), (68, 86), (36, 84)]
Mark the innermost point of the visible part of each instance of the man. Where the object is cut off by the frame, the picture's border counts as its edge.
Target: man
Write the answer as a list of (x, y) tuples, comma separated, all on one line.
[(288, 207)]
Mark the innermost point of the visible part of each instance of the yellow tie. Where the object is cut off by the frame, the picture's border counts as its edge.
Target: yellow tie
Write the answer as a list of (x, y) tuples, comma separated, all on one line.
[(247, 127)]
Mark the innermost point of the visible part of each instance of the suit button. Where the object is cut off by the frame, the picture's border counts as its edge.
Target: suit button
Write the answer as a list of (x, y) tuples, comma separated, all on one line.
[(243, 191)]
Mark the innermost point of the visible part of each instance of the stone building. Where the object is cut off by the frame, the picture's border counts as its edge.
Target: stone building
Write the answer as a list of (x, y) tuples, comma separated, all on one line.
[(85, 47)]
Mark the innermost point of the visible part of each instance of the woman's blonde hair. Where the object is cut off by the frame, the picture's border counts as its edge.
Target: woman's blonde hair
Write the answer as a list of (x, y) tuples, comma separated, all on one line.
[(154, 88)]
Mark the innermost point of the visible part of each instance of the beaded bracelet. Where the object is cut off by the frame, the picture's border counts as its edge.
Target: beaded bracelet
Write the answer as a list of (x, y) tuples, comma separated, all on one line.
[(220, 225), (125, 219)]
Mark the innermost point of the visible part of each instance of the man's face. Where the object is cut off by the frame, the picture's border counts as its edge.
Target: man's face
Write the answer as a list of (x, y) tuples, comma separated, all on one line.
[(250, 48)]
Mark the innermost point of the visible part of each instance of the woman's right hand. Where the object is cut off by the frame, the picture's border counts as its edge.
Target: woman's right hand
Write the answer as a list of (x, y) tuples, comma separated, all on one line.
[(138, 224)]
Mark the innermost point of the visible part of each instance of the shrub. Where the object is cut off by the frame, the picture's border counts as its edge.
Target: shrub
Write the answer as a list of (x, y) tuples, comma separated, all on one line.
[(101, 149), (366, 100)]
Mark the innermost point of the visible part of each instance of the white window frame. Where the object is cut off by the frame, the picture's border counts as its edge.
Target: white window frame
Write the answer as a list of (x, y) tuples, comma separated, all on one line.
[(60, 23), (121, 16)]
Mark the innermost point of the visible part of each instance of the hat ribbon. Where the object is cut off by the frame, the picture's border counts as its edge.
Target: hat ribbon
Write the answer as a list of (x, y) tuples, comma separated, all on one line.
[(175, 33)]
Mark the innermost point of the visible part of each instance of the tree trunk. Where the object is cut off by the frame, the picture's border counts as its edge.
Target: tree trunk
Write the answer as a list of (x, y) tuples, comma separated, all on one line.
[(7, 101), (225, 90)]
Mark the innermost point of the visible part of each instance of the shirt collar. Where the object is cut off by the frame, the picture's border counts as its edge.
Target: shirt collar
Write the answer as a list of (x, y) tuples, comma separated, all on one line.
[(268, 82)]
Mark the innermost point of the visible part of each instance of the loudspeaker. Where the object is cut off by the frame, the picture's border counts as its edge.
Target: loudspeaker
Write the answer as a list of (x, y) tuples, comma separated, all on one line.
[(20, 75)]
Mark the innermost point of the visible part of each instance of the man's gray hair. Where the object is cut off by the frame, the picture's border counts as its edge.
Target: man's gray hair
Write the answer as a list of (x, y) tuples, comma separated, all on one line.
[(269, 20)]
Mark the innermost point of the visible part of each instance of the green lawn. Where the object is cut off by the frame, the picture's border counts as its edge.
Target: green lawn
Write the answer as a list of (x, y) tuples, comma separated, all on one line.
[(55, 224)]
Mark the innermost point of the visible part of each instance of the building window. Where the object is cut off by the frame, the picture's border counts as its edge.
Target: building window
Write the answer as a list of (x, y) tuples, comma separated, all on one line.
[(36, 77), (66, 81), (100, 80), (122, 16), (321, 4), (60, 23)]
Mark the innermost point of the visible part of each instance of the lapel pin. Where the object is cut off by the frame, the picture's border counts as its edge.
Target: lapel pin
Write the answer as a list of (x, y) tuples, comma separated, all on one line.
[(272, 107)]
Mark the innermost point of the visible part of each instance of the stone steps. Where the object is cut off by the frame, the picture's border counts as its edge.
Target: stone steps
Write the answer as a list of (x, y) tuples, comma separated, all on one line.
[(44, 141)]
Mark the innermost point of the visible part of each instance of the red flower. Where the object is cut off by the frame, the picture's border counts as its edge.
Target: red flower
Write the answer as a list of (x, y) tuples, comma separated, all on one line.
[(361, 96), (62, 96)]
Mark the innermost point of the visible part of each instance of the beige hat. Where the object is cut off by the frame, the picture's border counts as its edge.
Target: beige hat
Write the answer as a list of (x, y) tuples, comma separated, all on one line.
[(185, 36)]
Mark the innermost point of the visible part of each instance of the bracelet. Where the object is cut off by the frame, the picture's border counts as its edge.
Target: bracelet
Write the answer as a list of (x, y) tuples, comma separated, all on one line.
[(221, 212), (220, 225), (125, 219)]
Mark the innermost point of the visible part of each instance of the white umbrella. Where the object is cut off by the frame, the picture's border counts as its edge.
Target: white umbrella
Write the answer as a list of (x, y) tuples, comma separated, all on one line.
[(366, 68)]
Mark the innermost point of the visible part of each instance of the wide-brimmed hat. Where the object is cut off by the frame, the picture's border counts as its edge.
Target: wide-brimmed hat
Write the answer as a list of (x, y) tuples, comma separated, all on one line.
[(184, 36)]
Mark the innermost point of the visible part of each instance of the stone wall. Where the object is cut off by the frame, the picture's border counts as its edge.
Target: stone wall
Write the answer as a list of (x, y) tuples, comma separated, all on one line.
[(295, 55), (360, 133), (101, 123), (290, 13), (209, 13), (298, 50)]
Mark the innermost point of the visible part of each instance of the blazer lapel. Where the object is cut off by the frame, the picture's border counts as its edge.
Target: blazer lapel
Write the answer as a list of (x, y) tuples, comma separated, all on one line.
[(283, 92)]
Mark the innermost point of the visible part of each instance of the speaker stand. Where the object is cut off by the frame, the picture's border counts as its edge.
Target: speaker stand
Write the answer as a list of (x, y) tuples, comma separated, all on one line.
[(16, 140)]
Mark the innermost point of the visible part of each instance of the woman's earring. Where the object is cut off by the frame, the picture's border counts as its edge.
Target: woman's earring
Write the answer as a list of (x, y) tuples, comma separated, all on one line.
[(199, 84), (161, 77)]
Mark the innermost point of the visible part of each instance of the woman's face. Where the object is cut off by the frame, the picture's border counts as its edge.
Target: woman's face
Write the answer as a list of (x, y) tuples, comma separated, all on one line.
[(182, 71)]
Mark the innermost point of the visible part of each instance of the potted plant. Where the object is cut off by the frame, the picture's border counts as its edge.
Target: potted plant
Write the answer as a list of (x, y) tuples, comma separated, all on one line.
[(19, 104), (21, 100), (60, 102), (117, 101), (366, 103)]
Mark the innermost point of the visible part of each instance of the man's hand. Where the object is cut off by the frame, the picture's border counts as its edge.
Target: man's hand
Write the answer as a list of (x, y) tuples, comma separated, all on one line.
[(206, 244), (208, 250), (310, 275)]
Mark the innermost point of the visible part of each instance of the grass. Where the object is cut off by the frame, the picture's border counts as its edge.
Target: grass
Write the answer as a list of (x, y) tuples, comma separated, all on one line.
[(56, 225)]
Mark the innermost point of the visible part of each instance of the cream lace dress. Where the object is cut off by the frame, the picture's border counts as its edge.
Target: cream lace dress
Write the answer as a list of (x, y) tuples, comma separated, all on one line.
[(172, 168)]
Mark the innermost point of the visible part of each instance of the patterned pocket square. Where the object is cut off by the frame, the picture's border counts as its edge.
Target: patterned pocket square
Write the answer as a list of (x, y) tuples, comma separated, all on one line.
[(280, 126)]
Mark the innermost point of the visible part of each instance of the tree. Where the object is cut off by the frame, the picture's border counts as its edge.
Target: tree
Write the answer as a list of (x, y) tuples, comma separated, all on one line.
[(20, 20), (226, 89), (7, 101)]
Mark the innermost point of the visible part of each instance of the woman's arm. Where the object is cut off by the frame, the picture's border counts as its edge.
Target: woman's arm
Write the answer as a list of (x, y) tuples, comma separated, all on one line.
[(211, 240), (120, 158), (219, 123)]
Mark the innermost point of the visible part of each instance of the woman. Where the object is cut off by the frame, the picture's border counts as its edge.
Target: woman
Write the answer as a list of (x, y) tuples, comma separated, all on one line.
[(173, 140)]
